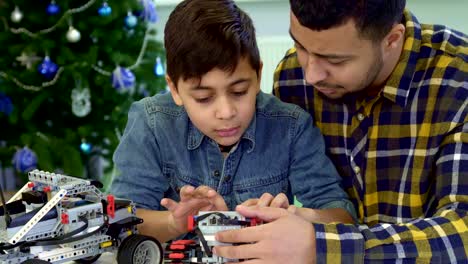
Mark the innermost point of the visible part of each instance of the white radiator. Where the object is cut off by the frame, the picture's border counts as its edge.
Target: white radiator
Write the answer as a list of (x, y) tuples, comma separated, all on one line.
[(272, 50)]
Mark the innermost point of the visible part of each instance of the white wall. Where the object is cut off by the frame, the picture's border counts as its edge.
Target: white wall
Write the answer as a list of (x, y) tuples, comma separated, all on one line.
[(271, 19)]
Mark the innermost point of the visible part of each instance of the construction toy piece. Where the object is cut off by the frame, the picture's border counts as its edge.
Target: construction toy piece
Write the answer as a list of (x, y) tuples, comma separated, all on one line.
[(203, 227), (56, 218)]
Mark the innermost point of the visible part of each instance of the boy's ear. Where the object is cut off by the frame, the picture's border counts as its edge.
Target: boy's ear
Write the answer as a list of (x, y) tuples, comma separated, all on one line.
[(174, 91), (259, 77)]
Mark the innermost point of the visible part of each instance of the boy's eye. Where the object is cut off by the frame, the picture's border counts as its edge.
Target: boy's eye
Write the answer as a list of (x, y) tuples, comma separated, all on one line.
[(240, 93), (202, 100)]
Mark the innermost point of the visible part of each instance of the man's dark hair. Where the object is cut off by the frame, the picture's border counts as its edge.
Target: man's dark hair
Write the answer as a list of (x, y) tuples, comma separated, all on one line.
[(201, 35), (373, 18)]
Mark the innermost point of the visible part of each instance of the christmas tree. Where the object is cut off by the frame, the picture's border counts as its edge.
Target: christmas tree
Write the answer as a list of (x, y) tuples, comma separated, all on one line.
[(69, 70)]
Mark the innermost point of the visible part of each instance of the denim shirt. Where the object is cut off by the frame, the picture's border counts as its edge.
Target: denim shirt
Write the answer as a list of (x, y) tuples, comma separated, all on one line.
[(280, 152)]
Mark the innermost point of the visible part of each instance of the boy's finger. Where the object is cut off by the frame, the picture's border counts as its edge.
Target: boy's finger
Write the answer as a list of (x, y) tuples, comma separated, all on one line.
[(265, 199), (292, 209), (169, 204), (219, 203), (280, 201), (250, 202), (186, 192), (204, 192)]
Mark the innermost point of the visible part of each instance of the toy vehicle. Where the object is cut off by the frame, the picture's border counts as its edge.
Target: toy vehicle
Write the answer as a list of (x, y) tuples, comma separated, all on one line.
[(204, 226), (56, 218)]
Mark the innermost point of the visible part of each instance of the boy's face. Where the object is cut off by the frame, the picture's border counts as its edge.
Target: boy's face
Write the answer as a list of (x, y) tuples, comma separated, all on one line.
[(221, 105)]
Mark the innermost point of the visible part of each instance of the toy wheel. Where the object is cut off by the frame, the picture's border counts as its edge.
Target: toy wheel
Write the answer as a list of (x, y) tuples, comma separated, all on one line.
[(88, 260), (140, 249), (35, 261)]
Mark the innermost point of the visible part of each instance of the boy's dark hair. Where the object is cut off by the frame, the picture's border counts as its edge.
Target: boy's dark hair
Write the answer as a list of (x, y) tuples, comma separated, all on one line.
[(201, 35), (373, 18)]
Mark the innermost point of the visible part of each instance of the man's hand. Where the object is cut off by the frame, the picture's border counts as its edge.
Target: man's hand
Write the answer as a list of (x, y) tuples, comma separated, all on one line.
[(286, 238), (280, 201), (192, 200)]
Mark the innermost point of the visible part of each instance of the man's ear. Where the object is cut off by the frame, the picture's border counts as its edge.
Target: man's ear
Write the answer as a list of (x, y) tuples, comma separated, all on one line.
[(174, 91), (393, 39)]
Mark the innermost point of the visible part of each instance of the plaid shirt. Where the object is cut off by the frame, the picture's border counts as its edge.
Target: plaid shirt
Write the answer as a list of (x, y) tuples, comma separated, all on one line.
[(403, 154)]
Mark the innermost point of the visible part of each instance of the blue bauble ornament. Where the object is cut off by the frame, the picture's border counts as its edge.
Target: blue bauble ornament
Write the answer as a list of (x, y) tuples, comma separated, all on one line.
[(6, 106), (131, 20), (105, 9), (86, 147), (53, 9), (24, 160), (149, 11), (158, 67), (48, 68), (122, 79)]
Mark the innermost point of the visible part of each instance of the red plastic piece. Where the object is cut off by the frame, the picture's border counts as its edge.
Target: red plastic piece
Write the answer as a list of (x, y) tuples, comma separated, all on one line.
[(64, 218), (255, 222), (111, 205), (30, 184), (184, 242), (46, 189), (176, 256), (177, 247), (191, 223)]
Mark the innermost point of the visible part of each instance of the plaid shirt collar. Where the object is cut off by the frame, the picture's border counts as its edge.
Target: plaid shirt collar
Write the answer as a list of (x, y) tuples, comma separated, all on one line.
[(397, 88)]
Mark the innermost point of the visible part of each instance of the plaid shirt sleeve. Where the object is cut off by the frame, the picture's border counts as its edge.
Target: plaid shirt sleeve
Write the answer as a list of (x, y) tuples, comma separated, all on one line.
[(394, 231), (439, 238)]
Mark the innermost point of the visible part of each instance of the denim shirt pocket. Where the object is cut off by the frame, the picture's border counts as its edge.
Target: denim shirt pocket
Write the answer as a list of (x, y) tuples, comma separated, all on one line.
[(255, 185), (177, 178)]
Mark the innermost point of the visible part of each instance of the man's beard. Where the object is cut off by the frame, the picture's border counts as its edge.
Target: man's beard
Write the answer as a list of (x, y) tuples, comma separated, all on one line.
[(372, 75), (370, 89)]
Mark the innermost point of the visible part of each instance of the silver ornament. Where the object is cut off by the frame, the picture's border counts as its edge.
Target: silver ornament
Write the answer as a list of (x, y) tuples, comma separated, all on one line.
[(16, 15), (81, 102), (73, 35)]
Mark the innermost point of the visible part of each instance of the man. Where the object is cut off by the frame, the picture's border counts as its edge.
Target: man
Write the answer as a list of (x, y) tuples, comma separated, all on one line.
[(390, 96)]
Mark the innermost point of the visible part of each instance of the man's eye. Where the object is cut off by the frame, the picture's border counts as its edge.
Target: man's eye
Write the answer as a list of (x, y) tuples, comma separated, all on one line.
[(299, 47), (336, 62)]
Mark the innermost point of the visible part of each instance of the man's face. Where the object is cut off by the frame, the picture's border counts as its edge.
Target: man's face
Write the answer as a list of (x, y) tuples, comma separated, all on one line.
[(220, 104), (336, 61)]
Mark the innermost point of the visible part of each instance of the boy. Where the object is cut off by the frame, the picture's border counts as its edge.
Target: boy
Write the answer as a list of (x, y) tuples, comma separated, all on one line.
[(208, 145)]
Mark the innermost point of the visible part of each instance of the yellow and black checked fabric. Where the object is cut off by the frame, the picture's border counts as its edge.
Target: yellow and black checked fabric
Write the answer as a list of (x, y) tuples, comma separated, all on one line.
[(403, 154)]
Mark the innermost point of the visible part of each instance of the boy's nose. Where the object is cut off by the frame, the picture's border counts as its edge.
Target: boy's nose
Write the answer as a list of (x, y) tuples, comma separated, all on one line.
[(225, 109)]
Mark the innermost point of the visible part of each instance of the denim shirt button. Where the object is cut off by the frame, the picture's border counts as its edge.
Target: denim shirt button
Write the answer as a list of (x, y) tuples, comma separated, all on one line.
[(227, 178), (216, 173)]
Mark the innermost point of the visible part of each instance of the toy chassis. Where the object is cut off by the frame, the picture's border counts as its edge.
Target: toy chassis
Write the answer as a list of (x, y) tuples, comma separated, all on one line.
[(56, 218), (204, 226)]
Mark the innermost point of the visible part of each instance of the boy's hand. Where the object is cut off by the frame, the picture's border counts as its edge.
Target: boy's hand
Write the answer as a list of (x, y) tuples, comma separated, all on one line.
[(267, 200), (192, 200)]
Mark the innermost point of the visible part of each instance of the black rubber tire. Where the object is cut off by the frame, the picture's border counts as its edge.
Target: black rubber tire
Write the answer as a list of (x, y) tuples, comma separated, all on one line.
[(35, 261), (88, 260), (130, 246)]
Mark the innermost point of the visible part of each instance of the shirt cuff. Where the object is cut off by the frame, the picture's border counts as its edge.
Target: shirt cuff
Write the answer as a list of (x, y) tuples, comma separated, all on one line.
[(338, 243)]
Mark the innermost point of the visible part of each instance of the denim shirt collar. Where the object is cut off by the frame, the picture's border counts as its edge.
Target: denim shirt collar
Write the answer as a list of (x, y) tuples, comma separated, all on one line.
[(195, 136)]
